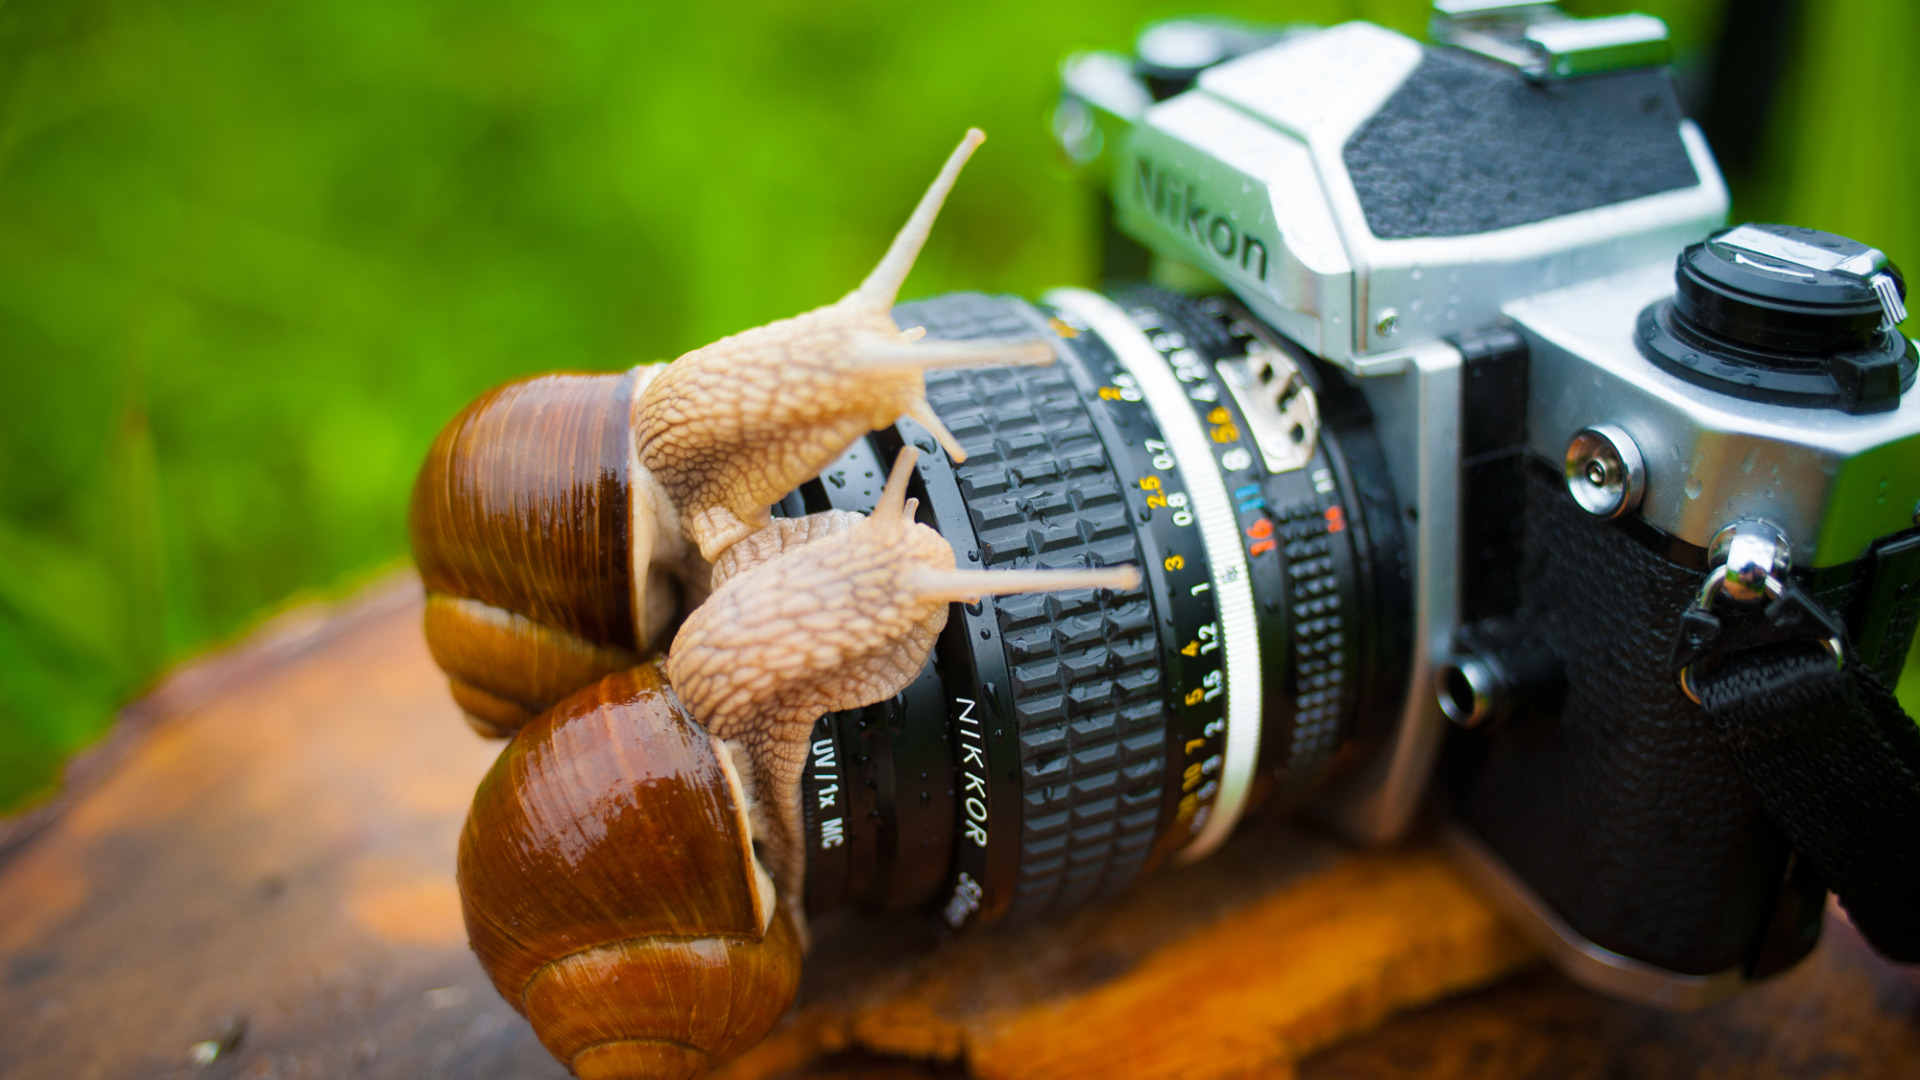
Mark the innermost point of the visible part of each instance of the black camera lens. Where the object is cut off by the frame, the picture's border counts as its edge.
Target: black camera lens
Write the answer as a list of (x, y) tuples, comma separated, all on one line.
[(1058, 745)]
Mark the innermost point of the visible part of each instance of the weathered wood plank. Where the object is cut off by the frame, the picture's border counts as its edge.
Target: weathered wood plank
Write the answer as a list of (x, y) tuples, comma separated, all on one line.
[(270, 865), (279, 857)]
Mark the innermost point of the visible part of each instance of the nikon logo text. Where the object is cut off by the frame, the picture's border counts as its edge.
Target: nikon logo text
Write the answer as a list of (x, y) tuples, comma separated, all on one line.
[(1175, 202)]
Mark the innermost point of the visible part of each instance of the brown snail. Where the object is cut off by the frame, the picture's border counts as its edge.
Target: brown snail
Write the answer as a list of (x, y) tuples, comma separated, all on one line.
[(562, 524), (631, 868)]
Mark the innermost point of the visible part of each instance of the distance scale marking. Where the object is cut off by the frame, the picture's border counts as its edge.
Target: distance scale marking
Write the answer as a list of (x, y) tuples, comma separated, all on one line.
[(1194, 345), (1238, 674), (1291, 520)]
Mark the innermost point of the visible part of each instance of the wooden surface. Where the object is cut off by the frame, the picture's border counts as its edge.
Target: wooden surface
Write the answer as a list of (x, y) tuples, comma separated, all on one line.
[(263, 865)]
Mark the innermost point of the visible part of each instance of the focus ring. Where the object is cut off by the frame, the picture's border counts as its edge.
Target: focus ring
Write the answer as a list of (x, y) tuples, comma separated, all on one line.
[(1087, 686)]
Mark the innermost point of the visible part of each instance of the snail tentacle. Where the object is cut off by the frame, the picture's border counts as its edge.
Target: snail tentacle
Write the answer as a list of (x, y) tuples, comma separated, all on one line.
[(731, 427), (881, 286)]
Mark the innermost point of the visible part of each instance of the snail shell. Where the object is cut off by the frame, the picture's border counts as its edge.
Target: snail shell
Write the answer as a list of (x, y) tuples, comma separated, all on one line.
[(523, 525), (610, 890)]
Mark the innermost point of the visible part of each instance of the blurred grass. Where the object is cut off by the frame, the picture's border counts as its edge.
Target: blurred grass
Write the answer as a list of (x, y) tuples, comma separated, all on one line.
[(252, 256)]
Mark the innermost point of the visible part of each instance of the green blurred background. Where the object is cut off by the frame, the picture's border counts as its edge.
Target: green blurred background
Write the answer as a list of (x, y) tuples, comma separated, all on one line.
[(253, 255)]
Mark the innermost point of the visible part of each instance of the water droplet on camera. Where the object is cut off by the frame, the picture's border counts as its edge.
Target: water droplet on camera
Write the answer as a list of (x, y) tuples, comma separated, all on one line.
[(1694, 487)]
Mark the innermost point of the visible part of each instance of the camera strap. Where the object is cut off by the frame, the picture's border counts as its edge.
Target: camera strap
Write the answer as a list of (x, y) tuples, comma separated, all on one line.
[(1826, 749)]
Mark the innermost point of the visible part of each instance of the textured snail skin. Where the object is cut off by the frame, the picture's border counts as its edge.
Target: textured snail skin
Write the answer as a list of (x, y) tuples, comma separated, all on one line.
[(610, 890), (731, 428), (833, 623), (843, 616), (564, 523)]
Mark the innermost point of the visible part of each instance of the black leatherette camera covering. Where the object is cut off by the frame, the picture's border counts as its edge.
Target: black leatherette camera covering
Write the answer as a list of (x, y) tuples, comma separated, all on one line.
[(1623, 812), (1467, 145)]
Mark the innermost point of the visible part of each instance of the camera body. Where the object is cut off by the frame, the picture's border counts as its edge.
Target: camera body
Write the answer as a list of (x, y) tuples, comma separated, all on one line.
[(1479, 238)]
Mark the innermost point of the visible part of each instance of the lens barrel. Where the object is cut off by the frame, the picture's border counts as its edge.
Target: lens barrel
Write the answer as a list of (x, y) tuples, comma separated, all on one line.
[(1058, 745)]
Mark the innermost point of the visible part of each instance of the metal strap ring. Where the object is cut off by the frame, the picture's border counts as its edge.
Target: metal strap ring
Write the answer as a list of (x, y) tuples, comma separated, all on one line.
[(1716, 583)]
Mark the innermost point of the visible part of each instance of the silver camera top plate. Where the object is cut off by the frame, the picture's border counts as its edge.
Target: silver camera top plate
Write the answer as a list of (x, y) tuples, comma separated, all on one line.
[(1833, 482), (1245, 177)]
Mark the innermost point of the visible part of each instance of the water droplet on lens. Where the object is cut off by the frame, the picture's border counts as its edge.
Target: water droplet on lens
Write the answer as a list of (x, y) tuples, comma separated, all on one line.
[(1694, 487)]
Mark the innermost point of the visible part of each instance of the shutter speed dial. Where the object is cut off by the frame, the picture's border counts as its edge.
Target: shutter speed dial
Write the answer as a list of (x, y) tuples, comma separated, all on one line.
[(1785, 314)]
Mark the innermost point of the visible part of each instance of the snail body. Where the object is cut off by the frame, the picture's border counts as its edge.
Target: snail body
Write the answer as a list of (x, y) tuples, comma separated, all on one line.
[(564, 523), (632, 869), (842, 620)]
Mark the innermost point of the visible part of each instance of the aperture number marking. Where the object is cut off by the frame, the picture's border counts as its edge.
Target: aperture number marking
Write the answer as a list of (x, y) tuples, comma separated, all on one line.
[(1211, 686)]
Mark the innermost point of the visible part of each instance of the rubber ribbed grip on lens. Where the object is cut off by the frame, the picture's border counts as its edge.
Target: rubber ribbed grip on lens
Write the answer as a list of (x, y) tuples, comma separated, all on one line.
[(1087, 684), (1318, 639)]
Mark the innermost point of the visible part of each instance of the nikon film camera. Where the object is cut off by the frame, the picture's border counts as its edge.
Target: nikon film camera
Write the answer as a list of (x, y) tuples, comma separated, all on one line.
[(1483, 456)]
